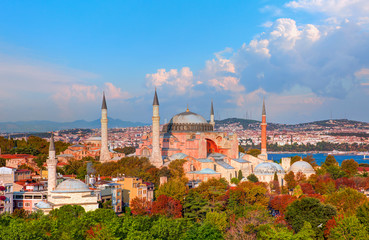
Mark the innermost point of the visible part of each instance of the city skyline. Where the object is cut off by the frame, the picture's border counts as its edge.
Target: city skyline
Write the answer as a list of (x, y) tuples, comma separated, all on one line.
[(307, 58)]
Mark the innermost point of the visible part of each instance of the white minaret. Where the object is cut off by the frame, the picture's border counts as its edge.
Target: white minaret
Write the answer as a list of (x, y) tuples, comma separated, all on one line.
[(104, 151), (51, 166), (156, 158), (212, 122)]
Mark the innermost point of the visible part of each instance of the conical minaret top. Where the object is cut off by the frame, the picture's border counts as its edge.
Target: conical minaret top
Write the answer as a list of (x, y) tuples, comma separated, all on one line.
[(212, 122), (52, 144), (263, 112), (156, 100), (212, 108), (103, 106)]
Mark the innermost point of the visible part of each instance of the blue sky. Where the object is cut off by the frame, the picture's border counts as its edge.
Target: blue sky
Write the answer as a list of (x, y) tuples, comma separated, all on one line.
[(307, 58)]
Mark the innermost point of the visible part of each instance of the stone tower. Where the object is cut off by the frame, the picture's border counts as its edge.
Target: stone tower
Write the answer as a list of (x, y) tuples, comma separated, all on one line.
[(51, 166), (156, 158), (104, 151), (264, 154), (212, 122)]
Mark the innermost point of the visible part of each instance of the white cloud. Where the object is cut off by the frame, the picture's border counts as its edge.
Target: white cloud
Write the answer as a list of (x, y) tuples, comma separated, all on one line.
[(113, 92), (180, 82)]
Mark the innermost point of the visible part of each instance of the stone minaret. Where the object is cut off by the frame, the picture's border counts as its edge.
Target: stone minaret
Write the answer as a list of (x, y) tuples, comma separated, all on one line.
[(156, 158), (104, 151), (212, 122), (51, 167), (263, 154)]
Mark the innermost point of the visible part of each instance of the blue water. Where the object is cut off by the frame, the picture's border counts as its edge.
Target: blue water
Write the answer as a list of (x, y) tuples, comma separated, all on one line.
[(319, 157)]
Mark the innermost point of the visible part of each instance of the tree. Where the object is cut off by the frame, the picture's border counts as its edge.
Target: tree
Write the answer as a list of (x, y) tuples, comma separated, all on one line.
[(349, 228), (275, 184), (350, 166), (280, 202), (290, 180), (195, 206), (295, 159), (300, 177), (176, 168), (219, 220), (346, 200), (309, 210), (250, 193), (311, 160), (167, 206), (273, 232), (140, 206), (335, 171), (307, 188), (240, 175), (252, 178), (241, 149), (362, 213), (2, 162), (174, 188), (125, 150), (254, 152), (235, 181), (203, 232), (330, 160)]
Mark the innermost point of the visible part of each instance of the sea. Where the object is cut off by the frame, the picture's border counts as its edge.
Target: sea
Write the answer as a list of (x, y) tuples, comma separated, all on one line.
[(319, 157)]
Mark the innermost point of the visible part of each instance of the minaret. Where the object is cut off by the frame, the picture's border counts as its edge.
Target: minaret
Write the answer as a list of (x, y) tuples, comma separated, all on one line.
[(104, 151), (51, 166), (264, 153), (156, 158), (212, 122)]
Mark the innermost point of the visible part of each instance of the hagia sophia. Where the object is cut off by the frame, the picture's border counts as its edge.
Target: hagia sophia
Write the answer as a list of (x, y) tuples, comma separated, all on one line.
[(210, 153)]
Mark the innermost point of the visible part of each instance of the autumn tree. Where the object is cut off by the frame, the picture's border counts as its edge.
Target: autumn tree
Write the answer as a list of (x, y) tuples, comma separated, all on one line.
[(290, 180), (350, 167), (295, 159), (167, 206), (330, 160), (140, 206), (280, 202), (176, 168), (250, 193), (346, 200), (311, 160)]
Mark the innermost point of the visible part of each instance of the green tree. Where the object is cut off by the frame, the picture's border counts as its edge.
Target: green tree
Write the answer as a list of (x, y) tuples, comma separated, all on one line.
[(235, 181), (195, 206), (2, 162), (240, 175), (335, 172), (330, 160), (219, 220), (349, 228), (252, 178), (350, 166), (311, 160), (275, 232), (309, 210), (203, 232), (174, 188), (362, 213)]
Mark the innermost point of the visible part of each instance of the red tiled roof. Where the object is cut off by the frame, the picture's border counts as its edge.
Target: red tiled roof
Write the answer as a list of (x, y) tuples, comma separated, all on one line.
[(23, 170), (13, 156)]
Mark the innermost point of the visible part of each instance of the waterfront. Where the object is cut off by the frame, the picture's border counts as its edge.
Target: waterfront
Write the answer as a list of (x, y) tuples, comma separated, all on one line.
[(319, 157)]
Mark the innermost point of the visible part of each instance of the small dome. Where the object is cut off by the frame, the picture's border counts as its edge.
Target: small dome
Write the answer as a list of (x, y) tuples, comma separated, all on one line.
[(43, 205), (302, 166), (188, 117), (266, 168), (177, 156), (72, 185)]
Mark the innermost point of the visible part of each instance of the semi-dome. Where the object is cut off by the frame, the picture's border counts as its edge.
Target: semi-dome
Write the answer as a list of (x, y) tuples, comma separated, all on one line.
[(279, 167), (266, 168), (188, 122), (302, 166), (188, 117), (72, 185)]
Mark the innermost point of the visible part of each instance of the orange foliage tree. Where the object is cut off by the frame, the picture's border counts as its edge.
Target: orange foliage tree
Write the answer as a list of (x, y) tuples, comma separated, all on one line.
[(281, 202), (140, 206), (167, 206)]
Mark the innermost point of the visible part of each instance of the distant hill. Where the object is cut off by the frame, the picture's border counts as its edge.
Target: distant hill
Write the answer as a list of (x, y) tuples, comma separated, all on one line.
[(323, 124), (45, 126)]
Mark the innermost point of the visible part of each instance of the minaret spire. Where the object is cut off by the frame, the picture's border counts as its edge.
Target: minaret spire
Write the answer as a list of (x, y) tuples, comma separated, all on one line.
[(52, 161), (156, 158), (104, 151), (212, 122), (264, 154), (103, 106)]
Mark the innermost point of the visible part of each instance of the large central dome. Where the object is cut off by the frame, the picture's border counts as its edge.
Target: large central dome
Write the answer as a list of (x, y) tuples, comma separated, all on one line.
[(187, 122), (187, 117)]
